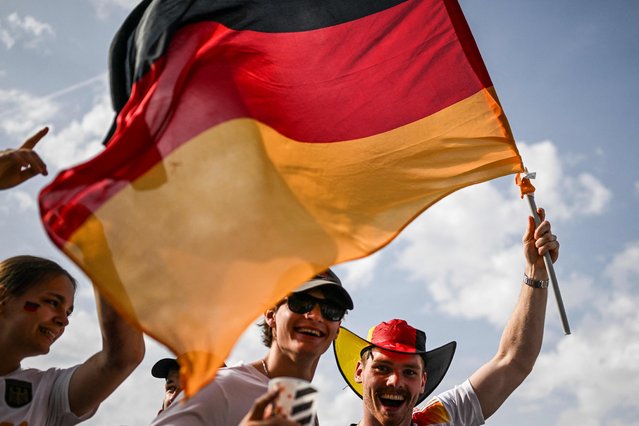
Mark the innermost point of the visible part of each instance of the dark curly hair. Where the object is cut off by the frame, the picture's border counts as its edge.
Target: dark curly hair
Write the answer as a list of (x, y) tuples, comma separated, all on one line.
[(266, 332)]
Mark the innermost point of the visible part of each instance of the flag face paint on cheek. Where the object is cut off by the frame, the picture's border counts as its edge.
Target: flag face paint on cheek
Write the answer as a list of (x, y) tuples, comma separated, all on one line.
[(31, 306)]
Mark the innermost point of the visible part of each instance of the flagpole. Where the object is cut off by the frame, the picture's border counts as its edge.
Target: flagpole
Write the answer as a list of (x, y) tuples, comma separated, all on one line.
[(547, 260)]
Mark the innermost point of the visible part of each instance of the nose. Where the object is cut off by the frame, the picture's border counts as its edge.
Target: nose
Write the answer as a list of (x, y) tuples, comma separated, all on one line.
[(62, 320), (315, 313), (392, 379)]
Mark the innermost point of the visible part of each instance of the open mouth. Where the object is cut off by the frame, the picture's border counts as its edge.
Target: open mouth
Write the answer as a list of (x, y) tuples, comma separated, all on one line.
[(391, 400), (309, 331), (48, 333)]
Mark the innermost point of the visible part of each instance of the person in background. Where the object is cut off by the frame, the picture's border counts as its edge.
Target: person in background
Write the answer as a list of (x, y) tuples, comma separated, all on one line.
[(169, 370), (36, 301)]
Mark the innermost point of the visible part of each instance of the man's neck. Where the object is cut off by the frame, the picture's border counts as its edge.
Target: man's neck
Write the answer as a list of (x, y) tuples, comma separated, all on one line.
[(279, 364), (370, 420)]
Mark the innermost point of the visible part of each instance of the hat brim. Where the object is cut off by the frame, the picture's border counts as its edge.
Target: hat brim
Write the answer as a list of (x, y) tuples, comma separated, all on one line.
[(162, 367), (348, 346)]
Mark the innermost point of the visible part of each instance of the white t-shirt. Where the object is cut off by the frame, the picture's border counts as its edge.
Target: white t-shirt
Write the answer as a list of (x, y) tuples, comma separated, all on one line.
[(225, 401), (456, 407), (34, 397)]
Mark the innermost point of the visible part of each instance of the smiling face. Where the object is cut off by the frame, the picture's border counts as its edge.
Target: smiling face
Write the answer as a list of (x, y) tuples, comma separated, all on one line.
[(391, 382), (31, 322), (306, 335)]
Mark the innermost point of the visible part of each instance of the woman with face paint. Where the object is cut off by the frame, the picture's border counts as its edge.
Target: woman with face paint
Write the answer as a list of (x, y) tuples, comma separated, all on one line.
[(36, 300)]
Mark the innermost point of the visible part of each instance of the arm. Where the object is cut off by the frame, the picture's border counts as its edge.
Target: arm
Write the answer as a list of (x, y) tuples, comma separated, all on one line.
[(122, 350), (18, 165), (521, 340)]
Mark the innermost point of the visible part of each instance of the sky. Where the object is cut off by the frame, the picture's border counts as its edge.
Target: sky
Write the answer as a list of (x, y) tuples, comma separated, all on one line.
[(566, 72)]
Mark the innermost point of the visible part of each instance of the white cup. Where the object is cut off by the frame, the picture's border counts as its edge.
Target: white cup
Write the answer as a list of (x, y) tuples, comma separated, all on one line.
[(296, 400)]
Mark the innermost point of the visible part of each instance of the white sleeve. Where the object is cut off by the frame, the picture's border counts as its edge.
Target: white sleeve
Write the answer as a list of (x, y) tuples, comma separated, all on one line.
[(59, 398), (462, 405)]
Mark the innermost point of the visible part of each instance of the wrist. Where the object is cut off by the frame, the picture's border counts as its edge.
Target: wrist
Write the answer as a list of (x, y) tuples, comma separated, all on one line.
[(532, 282)]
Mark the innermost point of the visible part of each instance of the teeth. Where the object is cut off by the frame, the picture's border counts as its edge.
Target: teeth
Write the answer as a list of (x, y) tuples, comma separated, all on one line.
[(48, 332), (309, 331), (392, 396)]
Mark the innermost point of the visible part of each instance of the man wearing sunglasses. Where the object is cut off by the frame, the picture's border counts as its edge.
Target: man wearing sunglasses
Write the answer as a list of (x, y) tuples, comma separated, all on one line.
[(297, 331)]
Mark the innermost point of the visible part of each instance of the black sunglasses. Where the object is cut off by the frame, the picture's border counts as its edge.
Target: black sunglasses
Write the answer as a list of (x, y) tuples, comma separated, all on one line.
[(301, 303)]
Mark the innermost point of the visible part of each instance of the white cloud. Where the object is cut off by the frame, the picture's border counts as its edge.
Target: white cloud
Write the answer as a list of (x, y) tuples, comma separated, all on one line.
[(359, 273), (6, 38), (23, 113), (568, 193), (597, 364), (104, 8), (480, 277), (80, 139), (23, 200), (28, 31), (465, 277), (636, 187)]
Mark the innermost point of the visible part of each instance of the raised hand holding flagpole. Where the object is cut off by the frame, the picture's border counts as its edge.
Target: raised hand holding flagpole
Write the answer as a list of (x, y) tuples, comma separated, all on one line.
[(528, 190)]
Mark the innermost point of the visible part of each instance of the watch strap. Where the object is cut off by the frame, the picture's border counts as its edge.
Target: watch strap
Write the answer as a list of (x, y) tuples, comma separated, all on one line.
[(535, 283)]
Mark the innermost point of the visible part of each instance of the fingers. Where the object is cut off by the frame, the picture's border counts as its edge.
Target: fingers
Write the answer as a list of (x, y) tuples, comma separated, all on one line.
[(33, 140), (528, 234), (30, 157), (545, 240), (548, 244), (259, 414), (260, 404), (542, 214), (30, 163)]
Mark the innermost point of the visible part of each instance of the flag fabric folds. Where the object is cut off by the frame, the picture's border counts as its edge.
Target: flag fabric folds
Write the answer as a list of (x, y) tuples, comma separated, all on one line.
[(257, 143)]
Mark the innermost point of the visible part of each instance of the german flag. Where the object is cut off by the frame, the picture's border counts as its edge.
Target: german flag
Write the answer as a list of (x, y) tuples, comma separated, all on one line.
[(257, 143)]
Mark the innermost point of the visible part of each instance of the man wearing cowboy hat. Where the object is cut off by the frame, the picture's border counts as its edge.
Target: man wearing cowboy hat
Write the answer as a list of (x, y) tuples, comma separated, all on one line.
[(393, 372)]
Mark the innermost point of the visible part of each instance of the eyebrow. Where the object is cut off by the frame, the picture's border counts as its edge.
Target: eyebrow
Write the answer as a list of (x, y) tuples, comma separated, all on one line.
[(416, 365)]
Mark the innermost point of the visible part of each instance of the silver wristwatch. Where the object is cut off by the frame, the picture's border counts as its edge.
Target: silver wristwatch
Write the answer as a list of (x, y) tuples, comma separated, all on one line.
[(535, 283)]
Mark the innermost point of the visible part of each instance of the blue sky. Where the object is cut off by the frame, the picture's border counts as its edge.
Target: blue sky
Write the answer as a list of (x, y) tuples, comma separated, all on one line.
[(566, 73)]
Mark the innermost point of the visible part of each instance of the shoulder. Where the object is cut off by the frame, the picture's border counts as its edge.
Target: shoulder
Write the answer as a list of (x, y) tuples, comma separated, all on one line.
[(239, 375), (460, 394), (457, 406), (221, 401), (35, 375)]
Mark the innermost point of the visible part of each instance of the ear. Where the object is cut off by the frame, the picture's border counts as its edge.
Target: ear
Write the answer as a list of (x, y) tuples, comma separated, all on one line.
[(358, 372), (336, 334), (269, 317)]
